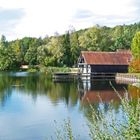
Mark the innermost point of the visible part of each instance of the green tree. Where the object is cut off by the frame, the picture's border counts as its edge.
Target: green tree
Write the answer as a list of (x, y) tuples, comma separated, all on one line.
[(106, 39), (16, 46), (135, 46), (54, 50), (3, 42), (90, 39), (7, 59), (75, 48), (42, 52), (31, 56), (66, 58), (50, 61)]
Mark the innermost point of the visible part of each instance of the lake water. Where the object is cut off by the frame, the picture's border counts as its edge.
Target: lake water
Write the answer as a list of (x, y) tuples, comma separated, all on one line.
[(32, 107)]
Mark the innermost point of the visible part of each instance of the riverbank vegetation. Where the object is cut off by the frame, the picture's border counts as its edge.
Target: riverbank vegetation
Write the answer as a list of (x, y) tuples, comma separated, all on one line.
[(64, 50)]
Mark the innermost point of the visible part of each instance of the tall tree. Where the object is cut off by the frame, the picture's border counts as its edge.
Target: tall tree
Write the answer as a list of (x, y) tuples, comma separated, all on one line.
[(7, 59), (90, 39), (16, 46), (3, 42), (66, 58), (135, 46), (75, 48), (31, 56), (42, 52)]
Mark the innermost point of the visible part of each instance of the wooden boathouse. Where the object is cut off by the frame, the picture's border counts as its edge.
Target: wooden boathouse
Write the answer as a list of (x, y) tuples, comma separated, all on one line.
[(91, 62)]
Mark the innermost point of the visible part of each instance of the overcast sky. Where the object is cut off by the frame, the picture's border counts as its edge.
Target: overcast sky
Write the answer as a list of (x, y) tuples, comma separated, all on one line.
[(19, 18)]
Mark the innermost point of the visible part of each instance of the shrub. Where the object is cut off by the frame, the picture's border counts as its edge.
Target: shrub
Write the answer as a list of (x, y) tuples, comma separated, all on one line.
[(135, 66), (65, 132)]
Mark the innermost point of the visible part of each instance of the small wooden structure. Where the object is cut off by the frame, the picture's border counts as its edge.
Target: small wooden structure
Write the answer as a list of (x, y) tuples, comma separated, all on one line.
[(91, 62)]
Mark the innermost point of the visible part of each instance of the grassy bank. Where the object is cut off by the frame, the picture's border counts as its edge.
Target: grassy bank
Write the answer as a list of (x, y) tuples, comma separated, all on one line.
[(50, 70)]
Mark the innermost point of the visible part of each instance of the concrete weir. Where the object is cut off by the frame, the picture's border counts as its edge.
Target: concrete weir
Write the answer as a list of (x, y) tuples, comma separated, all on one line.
[(127, 78)]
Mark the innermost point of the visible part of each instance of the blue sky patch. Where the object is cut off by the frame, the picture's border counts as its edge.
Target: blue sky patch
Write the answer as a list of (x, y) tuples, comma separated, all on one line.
[(82, 14), (7, 15)]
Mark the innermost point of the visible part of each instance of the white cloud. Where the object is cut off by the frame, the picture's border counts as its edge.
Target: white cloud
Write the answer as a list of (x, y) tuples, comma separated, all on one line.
[(43, 17)]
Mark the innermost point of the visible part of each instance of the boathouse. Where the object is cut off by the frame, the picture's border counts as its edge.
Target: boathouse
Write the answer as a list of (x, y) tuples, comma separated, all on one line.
[(104, 62)]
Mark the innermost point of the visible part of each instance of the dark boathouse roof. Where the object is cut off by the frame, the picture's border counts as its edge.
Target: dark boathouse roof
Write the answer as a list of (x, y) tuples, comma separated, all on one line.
[(106, 58)]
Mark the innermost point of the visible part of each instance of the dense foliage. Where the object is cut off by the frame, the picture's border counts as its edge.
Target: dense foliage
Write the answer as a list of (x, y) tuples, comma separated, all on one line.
[(135, 48), (64, 50), (135, 66)]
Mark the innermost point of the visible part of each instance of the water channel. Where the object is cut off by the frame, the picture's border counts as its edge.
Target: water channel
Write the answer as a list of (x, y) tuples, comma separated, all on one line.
[(30, 104)]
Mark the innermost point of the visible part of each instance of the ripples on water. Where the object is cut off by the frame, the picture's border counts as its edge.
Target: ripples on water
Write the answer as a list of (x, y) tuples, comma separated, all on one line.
[(29, 104)]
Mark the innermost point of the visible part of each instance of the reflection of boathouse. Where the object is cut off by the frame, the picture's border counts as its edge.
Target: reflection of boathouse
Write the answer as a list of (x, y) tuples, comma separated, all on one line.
[(98, 91), (105, 96), (104, 62)]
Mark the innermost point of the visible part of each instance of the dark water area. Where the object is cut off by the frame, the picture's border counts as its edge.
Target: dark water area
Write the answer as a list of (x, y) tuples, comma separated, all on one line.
[(30, 104)]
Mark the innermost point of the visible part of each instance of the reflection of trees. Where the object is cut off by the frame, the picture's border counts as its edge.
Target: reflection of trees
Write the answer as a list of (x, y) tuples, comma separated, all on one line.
[(63, 91), (38, 84), (5, 90)]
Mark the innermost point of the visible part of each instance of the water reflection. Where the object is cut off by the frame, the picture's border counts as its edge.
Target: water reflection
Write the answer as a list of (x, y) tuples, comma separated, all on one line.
[(5, 92), (133, 87), (88, 92), (97, 91), (35, 85), (101, 94), (36, 102)]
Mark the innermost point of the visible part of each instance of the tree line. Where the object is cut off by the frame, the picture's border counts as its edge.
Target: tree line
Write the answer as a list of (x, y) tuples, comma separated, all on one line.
[(64, 50)]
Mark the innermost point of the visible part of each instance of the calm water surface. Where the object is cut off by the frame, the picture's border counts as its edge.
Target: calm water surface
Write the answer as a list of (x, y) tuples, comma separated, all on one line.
[(29, 105)]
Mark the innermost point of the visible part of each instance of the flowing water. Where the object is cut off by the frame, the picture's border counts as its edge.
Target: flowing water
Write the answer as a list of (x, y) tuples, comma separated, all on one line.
[(33, 107)]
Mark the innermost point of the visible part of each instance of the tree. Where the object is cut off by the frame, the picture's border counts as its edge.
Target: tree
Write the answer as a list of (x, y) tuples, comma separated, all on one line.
[(135, 46), (135, 66), (31, 56), (7, 59), (3, 42), (16, 46), (90, 39), (42, 52), (66, 58), (75, 48), (54, 50), (50, 61)]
